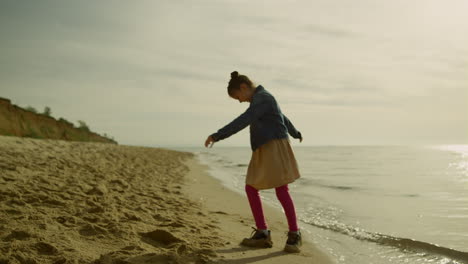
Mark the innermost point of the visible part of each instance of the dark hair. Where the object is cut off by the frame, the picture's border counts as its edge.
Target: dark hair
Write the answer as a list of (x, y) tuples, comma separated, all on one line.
[(237, 80)]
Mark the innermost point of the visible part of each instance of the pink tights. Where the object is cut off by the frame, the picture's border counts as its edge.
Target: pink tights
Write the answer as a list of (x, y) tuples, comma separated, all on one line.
[(282, 193)]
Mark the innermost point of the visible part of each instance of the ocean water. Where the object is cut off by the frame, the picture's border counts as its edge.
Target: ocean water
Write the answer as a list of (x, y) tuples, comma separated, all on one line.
[(370, 204)]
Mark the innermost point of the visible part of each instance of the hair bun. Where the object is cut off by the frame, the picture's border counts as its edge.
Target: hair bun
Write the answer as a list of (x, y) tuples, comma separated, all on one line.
[(234, 75)]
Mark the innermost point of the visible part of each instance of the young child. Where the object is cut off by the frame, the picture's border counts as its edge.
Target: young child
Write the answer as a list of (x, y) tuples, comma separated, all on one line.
[(272, 164)]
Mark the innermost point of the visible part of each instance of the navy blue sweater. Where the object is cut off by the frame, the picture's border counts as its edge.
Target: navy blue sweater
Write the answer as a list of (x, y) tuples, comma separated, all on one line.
[(265, 119)]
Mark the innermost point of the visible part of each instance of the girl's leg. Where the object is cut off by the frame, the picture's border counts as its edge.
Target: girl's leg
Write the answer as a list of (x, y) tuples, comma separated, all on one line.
[(256, 206), (286, 201)]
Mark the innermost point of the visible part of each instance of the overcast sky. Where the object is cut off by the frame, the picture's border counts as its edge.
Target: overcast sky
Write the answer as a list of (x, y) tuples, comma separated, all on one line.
[(155, 72)]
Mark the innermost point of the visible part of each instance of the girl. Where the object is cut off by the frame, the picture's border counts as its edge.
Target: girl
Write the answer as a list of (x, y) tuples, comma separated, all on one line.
[(272, 164)]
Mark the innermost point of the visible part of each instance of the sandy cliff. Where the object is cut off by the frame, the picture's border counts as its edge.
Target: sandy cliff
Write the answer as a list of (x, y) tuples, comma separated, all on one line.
[(16, 121)]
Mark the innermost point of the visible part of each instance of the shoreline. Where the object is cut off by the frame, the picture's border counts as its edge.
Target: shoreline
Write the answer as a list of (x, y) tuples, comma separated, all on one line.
[(235, 221)]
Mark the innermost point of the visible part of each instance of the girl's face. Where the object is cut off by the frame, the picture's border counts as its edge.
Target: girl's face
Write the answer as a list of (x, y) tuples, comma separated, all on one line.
[(244, 94)]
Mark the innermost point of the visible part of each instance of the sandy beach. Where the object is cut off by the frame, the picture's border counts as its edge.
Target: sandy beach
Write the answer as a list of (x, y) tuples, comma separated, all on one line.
[(82, 202)]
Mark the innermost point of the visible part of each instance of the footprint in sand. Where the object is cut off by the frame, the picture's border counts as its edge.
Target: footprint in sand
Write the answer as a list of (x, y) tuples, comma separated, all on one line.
[(98, 189), (219, 212), (96, 209), (119, 182), (131, 216), (8, 178), (18, 235), (16, 201), (68, 221), (45, 248), (7, 166), (50, 202), (12, 211), (160, 218), (173, 224), (210, 226), (92, 230), (160, 237), (133, 248)]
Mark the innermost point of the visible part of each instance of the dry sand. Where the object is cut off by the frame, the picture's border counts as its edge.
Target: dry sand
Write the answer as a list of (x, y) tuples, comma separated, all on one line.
[(76, 202)]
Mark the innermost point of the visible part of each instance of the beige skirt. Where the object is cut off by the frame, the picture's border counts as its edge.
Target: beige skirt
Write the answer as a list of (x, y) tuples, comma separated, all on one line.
[(272, 165)]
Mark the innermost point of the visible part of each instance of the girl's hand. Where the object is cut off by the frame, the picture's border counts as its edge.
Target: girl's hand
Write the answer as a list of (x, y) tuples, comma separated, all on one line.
[(208, 141)]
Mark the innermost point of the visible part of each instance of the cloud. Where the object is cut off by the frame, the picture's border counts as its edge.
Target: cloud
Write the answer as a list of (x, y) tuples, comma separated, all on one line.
[(122, 66), (328, 31)]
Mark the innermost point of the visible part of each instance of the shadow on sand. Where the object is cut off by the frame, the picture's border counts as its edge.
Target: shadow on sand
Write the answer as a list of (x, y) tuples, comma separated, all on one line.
[(248, 259)]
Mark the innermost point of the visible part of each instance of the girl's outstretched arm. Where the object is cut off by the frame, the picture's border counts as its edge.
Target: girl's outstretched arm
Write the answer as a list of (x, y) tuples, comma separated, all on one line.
[(255, 110), (291, 129)]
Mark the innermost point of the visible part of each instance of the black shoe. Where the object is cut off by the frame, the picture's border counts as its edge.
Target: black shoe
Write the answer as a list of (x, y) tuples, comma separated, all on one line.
[(258, 239), (294, 242)]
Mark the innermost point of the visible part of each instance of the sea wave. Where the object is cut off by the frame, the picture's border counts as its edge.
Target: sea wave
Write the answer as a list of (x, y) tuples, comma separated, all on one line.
[(404, 244)]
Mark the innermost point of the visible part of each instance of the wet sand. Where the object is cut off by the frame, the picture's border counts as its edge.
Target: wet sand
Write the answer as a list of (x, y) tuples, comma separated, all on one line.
[(81, 202)]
